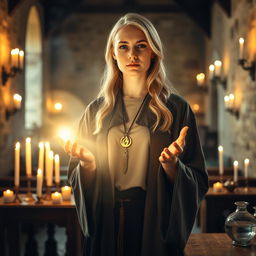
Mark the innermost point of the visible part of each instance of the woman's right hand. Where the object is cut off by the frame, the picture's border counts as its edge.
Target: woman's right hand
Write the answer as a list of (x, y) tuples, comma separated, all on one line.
[(87, 159)]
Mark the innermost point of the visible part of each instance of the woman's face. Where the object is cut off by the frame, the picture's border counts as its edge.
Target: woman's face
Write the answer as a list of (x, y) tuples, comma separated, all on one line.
[(132, 52)]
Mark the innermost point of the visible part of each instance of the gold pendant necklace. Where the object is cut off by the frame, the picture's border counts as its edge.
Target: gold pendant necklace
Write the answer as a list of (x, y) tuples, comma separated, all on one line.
[(126, 141)]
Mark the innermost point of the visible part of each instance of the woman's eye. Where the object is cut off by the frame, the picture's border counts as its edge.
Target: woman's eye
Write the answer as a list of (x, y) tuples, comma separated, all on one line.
[(123, 47), (141, 46)]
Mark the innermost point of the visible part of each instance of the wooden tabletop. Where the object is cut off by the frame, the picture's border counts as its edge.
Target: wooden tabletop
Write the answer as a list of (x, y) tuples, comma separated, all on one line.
[(216, 244), (237, 191)]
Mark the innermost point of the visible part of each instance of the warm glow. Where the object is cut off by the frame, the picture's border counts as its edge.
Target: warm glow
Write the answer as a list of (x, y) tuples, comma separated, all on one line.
[(217, 63), (39, 172), (211, 67), (231, 96), (235, 163), (28, 140), (21, 53), (196, 107), (226, 99), (220, 148), (58, 106), (241, 40), (17, 145), (17, 100), (200, 78), (246, 161), (65, 134)]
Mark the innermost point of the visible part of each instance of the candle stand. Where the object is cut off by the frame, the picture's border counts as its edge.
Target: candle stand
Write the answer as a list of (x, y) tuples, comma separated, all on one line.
[(39, 200), (57, 186), (29, 197), (17, 198), (48, 194)]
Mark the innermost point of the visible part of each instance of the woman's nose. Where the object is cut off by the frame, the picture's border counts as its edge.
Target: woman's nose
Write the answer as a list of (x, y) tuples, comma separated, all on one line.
[(133, 54)]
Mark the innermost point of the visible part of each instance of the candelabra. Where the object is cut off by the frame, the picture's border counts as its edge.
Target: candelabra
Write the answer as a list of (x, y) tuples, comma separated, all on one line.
[(29, 197), (250, 67)]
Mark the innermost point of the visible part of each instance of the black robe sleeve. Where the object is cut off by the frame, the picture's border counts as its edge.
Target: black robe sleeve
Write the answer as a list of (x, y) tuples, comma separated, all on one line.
[(84, 196), (179, 202)]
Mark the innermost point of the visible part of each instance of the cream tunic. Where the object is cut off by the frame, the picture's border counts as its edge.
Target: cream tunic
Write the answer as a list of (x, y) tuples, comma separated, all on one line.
[(138, 152)]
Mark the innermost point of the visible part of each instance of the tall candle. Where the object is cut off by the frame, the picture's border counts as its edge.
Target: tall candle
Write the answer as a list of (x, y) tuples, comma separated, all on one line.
[(47, 150), (41, 157), (17, 165), (246, 164), (14, 57), (217, 64), (17, 100), (241, 48), (221, 169), (57, 168), (235, 164), (28, 157), (231, 100), (21, 59), (226, 101), (49, 170), (211, 71), (39, 184)]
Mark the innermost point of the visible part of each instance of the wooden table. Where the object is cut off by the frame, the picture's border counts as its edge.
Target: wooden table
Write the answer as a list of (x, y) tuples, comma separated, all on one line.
[(12, 215), (218, 205), (216, 245)]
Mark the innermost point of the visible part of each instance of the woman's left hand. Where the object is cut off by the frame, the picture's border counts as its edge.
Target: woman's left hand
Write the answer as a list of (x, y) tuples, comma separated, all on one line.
[(169, 156)]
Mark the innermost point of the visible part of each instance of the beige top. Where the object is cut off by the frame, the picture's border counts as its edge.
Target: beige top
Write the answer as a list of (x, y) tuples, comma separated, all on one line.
[(138, 152)]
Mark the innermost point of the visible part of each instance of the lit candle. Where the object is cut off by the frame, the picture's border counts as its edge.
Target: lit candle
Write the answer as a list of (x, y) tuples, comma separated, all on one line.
[(17, 100), (211, 71), (246, 164), (17, 165), (14, 57), (56, 198), (226, 101), (235, 164), (221, 169), (47, 166), (39, 184), (241, 48), (57, 168), (217, 64), (58, 106), (66, 193), (41, 157), (200, 79), (217, 187), (231, 100), (8, 196), (21, 59), (49, 170), (28, 157)]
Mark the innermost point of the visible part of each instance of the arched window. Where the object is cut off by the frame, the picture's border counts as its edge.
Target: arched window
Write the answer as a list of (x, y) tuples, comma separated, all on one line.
[(33, 71)]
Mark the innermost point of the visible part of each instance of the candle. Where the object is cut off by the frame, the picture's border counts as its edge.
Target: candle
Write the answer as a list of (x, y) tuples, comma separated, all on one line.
[(17, 100), (21, 59), (49, 170), (56, 198), (41, 157), (17, 165), (217, 187), (246, 164), (39, 184), (28, 157), (211, 71), (217, 64), (57, 168), (235, 164), (241, 48), (221, 169), (226, 101), (231, 100), (8, 196), (200, 79), (47, 150), (66, 193), (14, 57)]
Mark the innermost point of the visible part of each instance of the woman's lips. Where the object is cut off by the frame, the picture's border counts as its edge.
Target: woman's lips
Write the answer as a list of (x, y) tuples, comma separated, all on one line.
[(133, 65)]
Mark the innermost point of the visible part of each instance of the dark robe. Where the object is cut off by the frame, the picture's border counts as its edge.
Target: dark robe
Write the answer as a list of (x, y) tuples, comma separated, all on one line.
[(170, 209)]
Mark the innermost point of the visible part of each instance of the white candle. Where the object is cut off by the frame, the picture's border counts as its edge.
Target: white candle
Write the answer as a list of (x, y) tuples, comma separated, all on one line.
[(17, 165), (235, 164), (21, 59), (8, 196), (39, 184), (28, 157), (14, 57), (66, 193), (41, 157), (200, 79), (47, 166), (246, 164), (221, 169), (217, 187), (211, 71), (241, 48), (56, 198), (217, 64), (49, 170), (57, 168), (17, 100)]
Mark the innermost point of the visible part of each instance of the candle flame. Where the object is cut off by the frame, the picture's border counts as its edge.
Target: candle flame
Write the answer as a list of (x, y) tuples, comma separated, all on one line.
[(28, 140), (21, 53), (56, 157), (241, 40), (226, 98), (211, 67), (235, 163), (17, 145), (41, 144), (65, 134), (200, 76), (39, 172), (17, 97), (220, 148), (246, 161), (58, 106), (217, 63)]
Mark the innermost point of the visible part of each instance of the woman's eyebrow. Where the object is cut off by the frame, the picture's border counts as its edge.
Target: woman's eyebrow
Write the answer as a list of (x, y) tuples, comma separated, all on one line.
[(126, 42)]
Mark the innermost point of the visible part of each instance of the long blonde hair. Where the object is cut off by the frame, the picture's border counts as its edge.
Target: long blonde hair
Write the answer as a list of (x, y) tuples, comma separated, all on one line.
[(157, 82)]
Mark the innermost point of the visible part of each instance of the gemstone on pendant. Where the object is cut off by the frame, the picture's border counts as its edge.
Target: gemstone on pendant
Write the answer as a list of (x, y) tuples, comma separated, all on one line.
[(126, 141)]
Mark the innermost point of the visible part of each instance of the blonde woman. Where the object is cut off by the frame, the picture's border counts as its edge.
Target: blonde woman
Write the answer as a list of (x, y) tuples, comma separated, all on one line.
[(137, 169)]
